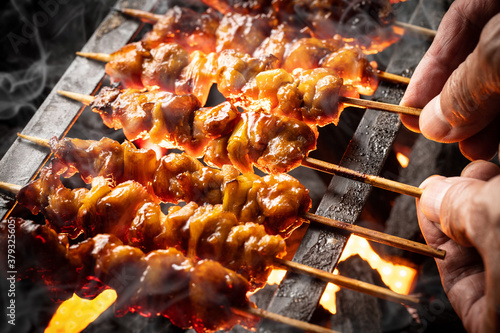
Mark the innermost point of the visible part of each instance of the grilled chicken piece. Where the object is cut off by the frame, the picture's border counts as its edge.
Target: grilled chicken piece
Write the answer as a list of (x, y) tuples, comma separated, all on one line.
[(198, 76), (166, 119), (278, 41), (190, 29), (236, 73), (273, 144), (243, 33)]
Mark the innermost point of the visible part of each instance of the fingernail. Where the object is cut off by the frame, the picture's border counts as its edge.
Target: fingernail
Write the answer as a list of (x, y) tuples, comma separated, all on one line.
[(433, 123), (435, 189)]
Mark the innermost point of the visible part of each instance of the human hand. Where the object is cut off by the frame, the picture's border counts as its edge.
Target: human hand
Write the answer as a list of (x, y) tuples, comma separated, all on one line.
[(458, 81), (461, 215)]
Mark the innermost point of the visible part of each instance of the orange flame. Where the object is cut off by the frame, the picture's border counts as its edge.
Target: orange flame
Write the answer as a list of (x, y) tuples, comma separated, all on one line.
[(276, 276), (146, 144), (75, 314), (403, 159), (398, 278)]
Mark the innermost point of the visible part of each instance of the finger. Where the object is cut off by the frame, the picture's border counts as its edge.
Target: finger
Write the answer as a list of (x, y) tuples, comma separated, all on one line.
[(481, 170), (456, 38), (466, 208), (431, 204), (483, 145), (462, 274), (410, 122), (469, 100), (432, 232)]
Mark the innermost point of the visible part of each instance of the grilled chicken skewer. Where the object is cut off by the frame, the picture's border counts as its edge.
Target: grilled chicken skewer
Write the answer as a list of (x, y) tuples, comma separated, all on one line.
[(188, 180), (221, 133), (248, 30), (310, 94), (276, 201), (171, 68), (202, 295), (285, 153), (206, 232)]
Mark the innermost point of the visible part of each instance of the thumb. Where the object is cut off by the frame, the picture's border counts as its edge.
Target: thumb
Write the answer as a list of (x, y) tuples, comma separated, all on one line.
[(469, 100), (466, 208)]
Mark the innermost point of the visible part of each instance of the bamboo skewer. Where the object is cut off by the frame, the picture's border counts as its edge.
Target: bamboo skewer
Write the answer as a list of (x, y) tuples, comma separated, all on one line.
[(102, 57), (348, 101), (398, 79), (358, 102), (377, 236), (415, 29), (152, 18), (302, 325), (372, 235), (376, 181), (11, 188), (143, 15), (394, 78), (348, 283), (38, 141), (85, 99)]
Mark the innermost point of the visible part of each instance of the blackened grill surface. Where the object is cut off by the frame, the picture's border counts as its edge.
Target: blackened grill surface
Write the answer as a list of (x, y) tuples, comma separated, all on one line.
[(298, 296)]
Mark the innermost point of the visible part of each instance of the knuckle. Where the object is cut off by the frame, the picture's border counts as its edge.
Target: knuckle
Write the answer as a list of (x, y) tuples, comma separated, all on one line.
[(461, 99), (483, 217)]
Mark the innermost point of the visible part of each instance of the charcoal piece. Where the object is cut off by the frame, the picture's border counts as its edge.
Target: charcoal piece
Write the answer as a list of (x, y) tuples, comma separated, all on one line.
[(351, 303)]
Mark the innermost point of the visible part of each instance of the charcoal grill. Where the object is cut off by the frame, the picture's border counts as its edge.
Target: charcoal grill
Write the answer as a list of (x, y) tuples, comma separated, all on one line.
[(297, 296)]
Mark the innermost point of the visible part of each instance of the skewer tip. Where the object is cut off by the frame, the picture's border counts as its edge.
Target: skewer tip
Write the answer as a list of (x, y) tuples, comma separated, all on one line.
[(140, 14), (119, 10), (394, 78), (85, 99), (38, 141), (302, 325), (416, 30), (102, 57)]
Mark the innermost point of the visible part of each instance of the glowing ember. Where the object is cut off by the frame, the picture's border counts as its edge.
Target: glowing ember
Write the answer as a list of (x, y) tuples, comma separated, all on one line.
[(74, 314), (398, 278), (146, 144), (403, 159), (276, 276)]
